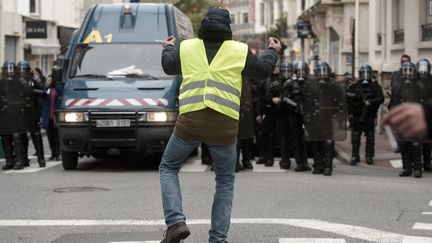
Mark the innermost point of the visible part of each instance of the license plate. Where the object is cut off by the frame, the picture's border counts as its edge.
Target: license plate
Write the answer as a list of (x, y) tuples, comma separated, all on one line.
[(112, 123)]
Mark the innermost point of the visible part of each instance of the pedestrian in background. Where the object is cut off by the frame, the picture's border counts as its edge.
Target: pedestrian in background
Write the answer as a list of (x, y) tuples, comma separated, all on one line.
[(212, 67), (51, 103)]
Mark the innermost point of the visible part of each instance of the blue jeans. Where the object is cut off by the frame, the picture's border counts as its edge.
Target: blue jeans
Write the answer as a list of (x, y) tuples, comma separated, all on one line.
[(224, 159)]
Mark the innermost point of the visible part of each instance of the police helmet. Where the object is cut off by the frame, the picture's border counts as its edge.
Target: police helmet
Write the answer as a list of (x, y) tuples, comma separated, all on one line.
[(322, 71), (408, 70), (423, 67), (365, 72), (8, 69), (301, 69), (23, 69)]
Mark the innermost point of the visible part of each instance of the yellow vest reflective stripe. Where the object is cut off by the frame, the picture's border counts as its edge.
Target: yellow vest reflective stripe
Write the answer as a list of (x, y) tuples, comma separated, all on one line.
[(216, 86)]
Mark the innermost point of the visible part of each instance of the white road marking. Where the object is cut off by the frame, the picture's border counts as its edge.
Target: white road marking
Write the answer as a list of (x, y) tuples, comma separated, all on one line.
[(396, 163), (430, 203), (30, 157), (193, 165), (422, 226), (427, 213), (311, 240), (351, 231), (154, 241), (416, 239), (34, 167)]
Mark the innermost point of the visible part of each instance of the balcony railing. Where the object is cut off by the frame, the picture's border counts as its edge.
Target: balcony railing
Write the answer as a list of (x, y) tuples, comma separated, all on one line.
[(427, 32), (399, 36)]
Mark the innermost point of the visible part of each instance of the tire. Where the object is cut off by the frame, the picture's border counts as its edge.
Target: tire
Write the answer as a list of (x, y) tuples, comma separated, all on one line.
[(69, 160)]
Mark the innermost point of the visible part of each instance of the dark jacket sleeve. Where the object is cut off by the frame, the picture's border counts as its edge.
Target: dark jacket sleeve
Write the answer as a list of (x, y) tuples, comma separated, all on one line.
[(171, 60), (379, 98), (262, 67)]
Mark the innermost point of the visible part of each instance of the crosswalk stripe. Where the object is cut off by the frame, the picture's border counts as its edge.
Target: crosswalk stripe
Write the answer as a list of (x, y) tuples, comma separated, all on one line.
[(396, 163), (416, 239), (33, 168), (422, 226), (427, 213), (311, 240), (430, 203)]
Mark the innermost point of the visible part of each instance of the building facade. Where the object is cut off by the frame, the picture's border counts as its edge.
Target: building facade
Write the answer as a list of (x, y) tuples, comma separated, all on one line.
[(39, 30)]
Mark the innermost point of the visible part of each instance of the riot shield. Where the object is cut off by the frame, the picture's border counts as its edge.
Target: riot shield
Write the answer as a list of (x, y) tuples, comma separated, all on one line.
[(324, 111), (16, 106)]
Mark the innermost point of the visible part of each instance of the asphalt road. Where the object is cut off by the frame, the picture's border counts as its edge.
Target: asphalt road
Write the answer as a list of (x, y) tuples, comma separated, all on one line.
[(119, 201)]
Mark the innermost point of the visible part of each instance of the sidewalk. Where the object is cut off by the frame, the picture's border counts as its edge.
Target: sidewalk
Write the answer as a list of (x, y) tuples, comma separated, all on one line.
[(384, 154)]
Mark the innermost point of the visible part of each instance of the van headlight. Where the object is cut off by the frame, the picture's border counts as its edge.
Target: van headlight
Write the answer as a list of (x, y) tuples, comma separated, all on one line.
[(73, 117), (161, 116)]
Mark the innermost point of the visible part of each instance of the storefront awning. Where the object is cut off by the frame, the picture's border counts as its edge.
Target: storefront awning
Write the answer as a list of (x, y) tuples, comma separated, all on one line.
[(45, 49)]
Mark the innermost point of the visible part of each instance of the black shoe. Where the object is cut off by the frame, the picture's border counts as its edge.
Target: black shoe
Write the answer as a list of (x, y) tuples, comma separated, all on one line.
[(300, 168), (307, 167), (261, 160), (327, 171), (51, 158), (18, 166), (247, 164), (369, 160), (269, 163), (417, 174), (175, 233), (42, 163), (405, 173), (354, 161), (8, 166), (285, 165), (318, 170)]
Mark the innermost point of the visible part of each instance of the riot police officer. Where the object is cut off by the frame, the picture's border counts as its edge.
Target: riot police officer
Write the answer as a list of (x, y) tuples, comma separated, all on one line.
[(406, 88), (324, 118), (24, 73), (364, 98), (13, 105), (425, 80), (293, 97), (267, 120)]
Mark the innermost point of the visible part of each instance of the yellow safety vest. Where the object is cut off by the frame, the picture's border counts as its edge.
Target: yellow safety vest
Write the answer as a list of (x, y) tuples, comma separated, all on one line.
[(216, 85)]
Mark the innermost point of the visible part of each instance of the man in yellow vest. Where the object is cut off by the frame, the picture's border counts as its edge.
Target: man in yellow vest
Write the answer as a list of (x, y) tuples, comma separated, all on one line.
[(212, 67)]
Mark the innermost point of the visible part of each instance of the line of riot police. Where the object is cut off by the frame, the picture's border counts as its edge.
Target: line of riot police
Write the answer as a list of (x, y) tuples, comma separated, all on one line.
[(20, 113), (297, 108)]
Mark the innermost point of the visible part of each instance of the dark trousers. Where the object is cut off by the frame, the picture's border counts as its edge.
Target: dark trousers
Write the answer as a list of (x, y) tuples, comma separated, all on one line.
[(245, 147), (426, 154), (411, 155), (53, 139), (358, 128)]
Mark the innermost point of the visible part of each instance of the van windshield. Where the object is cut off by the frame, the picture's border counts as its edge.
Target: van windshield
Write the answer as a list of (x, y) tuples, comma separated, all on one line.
[(117, 60)]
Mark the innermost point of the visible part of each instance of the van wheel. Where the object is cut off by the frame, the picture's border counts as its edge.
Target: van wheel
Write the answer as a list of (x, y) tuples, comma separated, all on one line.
[(69, 160)]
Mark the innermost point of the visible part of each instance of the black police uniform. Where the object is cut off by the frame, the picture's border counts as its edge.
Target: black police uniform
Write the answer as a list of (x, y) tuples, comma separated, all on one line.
[(364, 115), (405, 88)]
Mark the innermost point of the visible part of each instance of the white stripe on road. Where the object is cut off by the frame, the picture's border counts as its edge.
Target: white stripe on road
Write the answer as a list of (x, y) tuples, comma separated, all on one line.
[(430, 203), (427, 213), (396, 163), (34, 167), (151, 241), (351, 231), (415, 239), (422, 226), (311, 240)]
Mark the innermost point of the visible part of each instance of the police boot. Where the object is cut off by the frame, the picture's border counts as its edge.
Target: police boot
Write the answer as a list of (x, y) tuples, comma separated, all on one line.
[(329, 150), (318, 166), (247, 164), (269, 152), (427, 157), (416, 154), (20, 156), (355, 154), (285, 162), (7, 142), (299, 156), (38, 142), (406, 162), (25, 144), (370, 143), (248, 154), (238, 167)]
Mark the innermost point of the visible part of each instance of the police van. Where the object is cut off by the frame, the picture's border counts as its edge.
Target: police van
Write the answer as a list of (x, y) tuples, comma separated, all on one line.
[(116, 96)]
